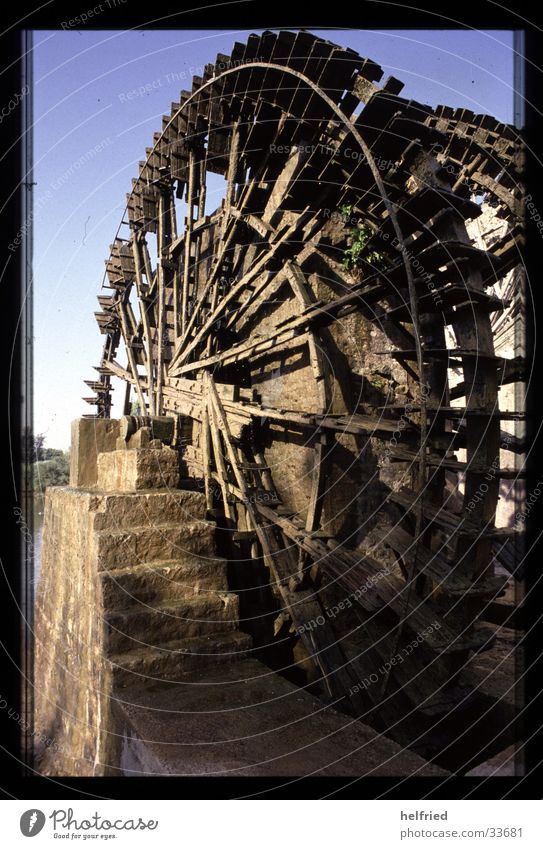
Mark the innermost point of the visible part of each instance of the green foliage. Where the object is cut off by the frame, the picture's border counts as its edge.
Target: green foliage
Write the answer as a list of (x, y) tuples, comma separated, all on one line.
[(355, 252), (357, 255), (43, 467), (54, 472)]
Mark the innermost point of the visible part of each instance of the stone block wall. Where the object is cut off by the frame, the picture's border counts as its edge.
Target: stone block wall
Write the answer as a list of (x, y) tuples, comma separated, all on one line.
[(90, 437), (72, 681), (130, 589), (135, 469)]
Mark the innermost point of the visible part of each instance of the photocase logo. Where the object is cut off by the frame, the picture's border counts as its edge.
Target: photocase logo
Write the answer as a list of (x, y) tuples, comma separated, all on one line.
[(32, 822)]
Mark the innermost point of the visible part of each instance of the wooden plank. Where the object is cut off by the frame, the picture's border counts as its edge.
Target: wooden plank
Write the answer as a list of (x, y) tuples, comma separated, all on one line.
[(113, 367), (257, 224), (130, 355), (231, 174), (264, 469), (419, 616), (320, 370), (303, 293), (452, 578), (220, 464), (267, 283), (206, 452), (455, 524), (144, 320), (147, 264), (283, 182), (453, 465), (161, 309), (187, 244)]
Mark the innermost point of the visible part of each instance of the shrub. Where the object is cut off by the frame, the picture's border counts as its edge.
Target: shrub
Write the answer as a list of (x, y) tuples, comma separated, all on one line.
[(54, 472)]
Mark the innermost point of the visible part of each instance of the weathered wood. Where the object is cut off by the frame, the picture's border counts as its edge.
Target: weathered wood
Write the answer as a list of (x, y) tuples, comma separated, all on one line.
[(161, 309), (141, 289), (130, 355), (357, 424), (231, 175), (452, 578), (461, 525), (279, 243), (206, 451), (223, 248), (220, 464), (304, 607), (249, 263), (288, 331), (113, 367), (187, 245)]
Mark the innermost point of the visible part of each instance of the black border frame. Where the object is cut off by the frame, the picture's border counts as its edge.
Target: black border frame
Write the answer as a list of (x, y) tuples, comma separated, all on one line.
[(18, 390)]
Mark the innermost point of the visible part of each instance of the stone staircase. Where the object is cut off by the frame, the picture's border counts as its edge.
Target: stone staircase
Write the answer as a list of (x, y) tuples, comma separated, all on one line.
[(167, 609)]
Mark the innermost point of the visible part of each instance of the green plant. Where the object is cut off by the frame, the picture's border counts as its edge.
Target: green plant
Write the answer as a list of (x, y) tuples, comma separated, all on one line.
[(356, 254), (54, 472)]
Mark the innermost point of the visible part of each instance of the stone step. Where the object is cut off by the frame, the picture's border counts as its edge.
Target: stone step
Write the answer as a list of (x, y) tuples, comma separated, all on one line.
[(243, 719), (508, 762), (118, 549), (122, 511), (144, 625), (157, 582), (138, 469), (172, 660)]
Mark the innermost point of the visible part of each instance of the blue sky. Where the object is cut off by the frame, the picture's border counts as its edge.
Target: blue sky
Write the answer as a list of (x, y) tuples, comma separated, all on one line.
[(91, 130)]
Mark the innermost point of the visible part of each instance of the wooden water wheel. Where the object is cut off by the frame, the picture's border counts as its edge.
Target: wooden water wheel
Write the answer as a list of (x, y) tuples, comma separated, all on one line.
[(325, 336)]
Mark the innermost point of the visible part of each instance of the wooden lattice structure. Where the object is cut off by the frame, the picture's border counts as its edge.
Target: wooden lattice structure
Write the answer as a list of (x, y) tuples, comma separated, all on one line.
[(340, 243)]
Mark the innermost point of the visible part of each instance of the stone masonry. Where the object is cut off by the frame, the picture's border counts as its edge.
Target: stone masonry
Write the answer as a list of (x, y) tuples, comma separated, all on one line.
[(130, 589)]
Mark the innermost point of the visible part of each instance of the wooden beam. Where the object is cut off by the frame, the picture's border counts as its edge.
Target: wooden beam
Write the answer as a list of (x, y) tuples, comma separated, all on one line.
[(130, 355), (187, 245), (206, 452), (320, 368), (161, 308), (220, 464), (233, 166), (355, 423), (114, 368), (141, 289)]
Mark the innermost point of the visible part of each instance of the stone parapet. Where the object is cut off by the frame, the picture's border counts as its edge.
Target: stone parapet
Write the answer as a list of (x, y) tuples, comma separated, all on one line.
[(138, 469), (90, 437)]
